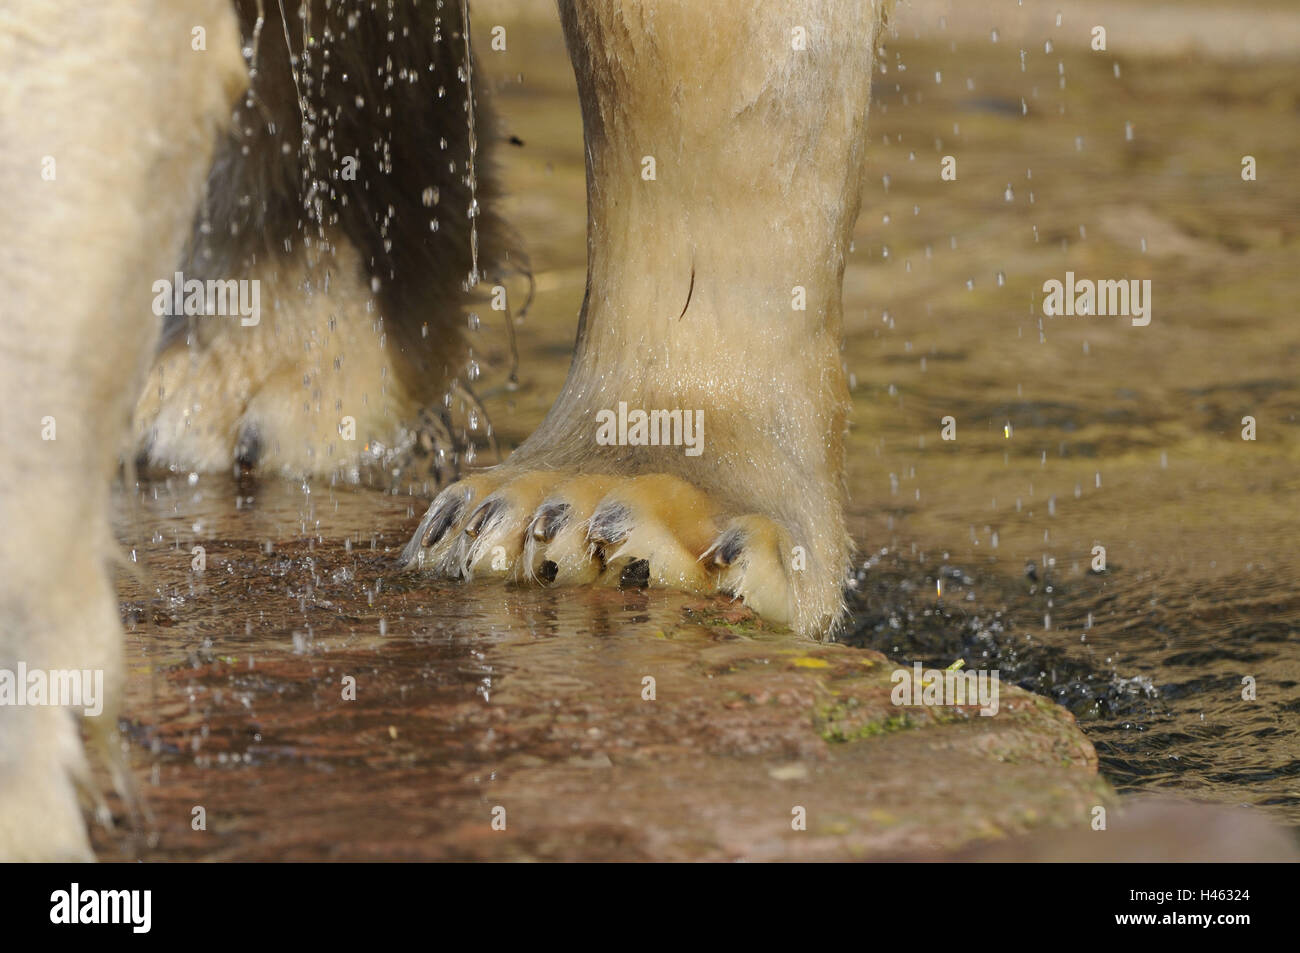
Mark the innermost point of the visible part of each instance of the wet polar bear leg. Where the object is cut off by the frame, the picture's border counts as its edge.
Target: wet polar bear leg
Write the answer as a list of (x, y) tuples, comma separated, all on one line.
[(108, 119), (336, 238), (724, 148)]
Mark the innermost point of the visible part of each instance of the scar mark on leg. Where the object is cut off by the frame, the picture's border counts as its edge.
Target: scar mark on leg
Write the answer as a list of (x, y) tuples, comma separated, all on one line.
[(689, 291)]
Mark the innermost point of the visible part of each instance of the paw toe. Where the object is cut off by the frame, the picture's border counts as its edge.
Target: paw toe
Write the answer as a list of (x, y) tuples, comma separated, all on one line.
[(438, 519), (550, 518), (556, 550), (497, 530), (727, 549), (438, 543), (751, 556), (610, 524), (660, 520)]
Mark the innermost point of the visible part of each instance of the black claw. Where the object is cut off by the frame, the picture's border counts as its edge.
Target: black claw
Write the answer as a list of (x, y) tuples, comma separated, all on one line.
[(610, 524), (441, 521), (248, 448), (635, 575), (547, 572), (481, 516), (550, 519), (728, 549)]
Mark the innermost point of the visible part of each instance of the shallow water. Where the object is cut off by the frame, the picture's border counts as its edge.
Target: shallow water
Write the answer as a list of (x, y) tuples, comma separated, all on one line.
[(1071, 433), (1080, 432)]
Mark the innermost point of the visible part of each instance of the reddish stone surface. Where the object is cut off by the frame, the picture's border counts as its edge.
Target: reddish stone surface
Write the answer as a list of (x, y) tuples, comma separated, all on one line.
[(483, 696)]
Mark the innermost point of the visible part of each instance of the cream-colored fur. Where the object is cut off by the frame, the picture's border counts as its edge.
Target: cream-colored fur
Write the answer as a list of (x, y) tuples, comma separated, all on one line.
[(691, 294), (113, 93), (317, 356)]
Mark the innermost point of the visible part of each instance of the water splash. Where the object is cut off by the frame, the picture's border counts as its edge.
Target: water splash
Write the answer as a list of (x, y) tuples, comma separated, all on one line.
[(471, 179)]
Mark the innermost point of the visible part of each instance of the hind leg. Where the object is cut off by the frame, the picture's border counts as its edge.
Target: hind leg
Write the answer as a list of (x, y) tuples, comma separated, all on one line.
[(342, 193), (108, 126), (724, 145)]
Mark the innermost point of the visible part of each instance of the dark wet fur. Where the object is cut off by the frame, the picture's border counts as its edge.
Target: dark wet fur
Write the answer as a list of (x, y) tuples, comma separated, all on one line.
[(263, 196)]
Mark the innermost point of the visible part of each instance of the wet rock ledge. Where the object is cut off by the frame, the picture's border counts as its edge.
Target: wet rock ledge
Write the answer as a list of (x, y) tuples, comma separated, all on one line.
[(530, 708)]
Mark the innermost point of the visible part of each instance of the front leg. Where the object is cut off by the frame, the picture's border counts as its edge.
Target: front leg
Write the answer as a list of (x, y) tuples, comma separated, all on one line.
[(724, 147)]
